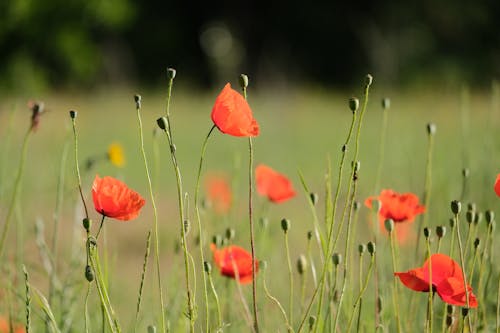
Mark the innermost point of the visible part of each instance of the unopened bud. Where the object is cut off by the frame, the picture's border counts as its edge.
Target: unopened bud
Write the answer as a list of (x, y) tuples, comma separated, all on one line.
[(302, 264), (309, 235), (230, 233), (171, 73), (450, 320), (440, 231), (336, 259), (312, 321), (243, 79), (465, 172), (452, 223), (465, 311), (217, 240), (162, 123), (376, 205), (151, 329), (263, 264), (207, 267), (73, 114), (361, 249), (431, 128), (477, 218), (89, 274), (389, 225), (456, 207), (450, 309), (470, 216), (380, 303), (187, 226), (356, 205), (368, 80), (427, 232), (353, 104), (386, 103), (476, 243), (489, 216), (471, 206), (356, 165), (314, 198), (137, 99), (492, 226), (87, 223), (285, 225), (371, 248)]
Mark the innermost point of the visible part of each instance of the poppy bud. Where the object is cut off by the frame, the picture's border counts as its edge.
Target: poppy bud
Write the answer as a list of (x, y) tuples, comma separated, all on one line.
[(477, 218), (380, 303), (371, 248), (137, 99), (162, 123), (230, 233), (353, 104), (337, 259), (207, 267), (440, 231), (361, 249), (456, 207), (470, 216), (389, 225), (450, 309), (344, 148), (449, 321), (309, 235), (302, 264), (376, 205), (285, 225), (151, 329), (171, 73), (489, 216), (476, 243), (471, 206), (368, 80), (356, 205), (492, 226), (452, 223), (263, 264), (87, 223), (465, 173), (465, 311), (356, 165), (314, 198), (427, 232), (312, 321), (386, 103), (73, 114), (264, 221), (243, 81), (431, 128), (89, 274), (217, 240), (187, 226)]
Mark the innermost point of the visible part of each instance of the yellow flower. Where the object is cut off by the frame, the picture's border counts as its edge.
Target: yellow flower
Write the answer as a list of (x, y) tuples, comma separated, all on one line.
[(115, 155)]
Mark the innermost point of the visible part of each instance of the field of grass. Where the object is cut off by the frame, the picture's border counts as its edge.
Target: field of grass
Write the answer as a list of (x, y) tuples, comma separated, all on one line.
[(302, 131)]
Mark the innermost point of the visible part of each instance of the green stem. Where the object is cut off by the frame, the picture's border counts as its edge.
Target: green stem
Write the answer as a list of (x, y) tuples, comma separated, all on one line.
[(361, 292), (462, 263), (278, 304), (143, 276), (86, 308), (28, 300), (216, 297), (395, 286), (431, 292), (155, 215), (15, 194), (200, 232), (290, 276)]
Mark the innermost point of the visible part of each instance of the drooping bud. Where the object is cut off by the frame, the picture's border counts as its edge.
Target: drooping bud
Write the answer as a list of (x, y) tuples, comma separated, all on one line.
[(171, 73), (285, 225), (243, 80), (162, 123), (389, 225), (314, 198), (440, 231), (371, 248), (87, 224), (302, 264), (353, 104), (89, 273), (456, 207), (337, 259), (137, 99)]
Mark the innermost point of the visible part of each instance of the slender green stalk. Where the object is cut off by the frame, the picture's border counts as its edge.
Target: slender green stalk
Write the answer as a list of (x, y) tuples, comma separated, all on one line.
[(28, 300), (86, 308), (431, 292), (290, 276), (15, 193), (217, 303), (155, 213), (77, 167), (474, 259), (277, 302), (381, 148), (498, 306), (362, 290), (395, 286), (143, 276), (200, 231), (462, 263)]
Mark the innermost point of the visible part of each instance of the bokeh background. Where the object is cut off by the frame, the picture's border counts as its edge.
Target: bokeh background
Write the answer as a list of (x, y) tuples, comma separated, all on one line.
[(91, 43)]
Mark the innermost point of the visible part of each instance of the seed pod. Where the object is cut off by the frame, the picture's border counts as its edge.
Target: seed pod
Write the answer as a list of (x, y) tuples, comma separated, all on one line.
[(456, 207), (285, 225), (337, 259), (353, 104), (361, 249), (371, 248), (389, 225), (440, 231)]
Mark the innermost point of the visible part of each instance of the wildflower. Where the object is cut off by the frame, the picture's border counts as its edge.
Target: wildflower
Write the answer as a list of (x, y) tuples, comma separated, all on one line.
[(276, 186), (232, 114), (447, 280), (497, 185), (234, 262), (219, 193), (115, 155), (398, 207), (112, 198)]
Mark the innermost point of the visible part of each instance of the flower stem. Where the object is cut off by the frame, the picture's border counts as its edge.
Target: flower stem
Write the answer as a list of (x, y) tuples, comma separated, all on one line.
[(395, 286), (143, 276), (361, 292), (217, 303), (290, 275), (429, 305), (462, 263)]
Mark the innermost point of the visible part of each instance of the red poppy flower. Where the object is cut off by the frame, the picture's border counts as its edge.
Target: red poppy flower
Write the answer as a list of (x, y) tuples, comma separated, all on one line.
[(497, 185), (398, 207), (233, 260), (219, 193), (276, 186), (114, 199), (447, 280), (232, 114)]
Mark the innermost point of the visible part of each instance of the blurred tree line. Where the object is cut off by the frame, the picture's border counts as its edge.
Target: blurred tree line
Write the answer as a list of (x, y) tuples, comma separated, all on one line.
[(88, 43)]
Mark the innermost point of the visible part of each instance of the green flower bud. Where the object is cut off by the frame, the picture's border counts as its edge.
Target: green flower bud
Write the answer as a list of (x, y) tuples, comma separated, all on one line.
[(263, 264), (314, 198), (380, 303), (427, 232), (312, 321), (456, 207), (470, 216), (151, 329), (466, 173), (465, 311), (162, 123), (337, 259), (368, 80), (309, 235), (452, 223), (371, 248), (477, 218), (73, 114), (450, 309), (89, 274), (361, 249), (243, 80), (440, 231), (187, 226), (302, 264), (492, 226), (137, 99), (230, 233), (471, 206), (87, 224), (431, 128), (285, 225), (376, 205), (489, 216), (217, 240), (171, 73), (450, 320), (386, 103), (389, 225), (356, 206), (207, 267), (353, 104), (476, 243), (356, 165)]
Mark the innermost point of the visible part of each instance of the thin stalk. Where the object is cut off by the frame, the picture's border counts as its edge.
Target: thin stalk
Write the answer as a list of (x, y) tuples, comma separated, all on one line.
[(381, 149), (217, 303), (28, 300), (77, 167), (155, 214), (313, 267), (395, 286), (277, 302), (15, 193), (498, 307), (361, 292), (200, 232), (290, 276), (462, 263), (86, 308), (143, 276), (431, 293)]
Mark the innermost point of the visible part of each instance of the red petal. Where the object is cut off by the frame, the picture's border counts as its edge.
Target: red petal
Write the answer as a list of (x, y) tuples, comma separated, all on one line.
[(414, 279)]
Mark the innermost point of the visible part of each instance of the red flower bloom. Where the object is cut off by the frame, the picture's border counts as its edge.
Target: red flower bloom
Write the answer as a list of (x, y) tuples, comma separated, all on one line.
[(232, 114), (398, 207), (233, 260), (114, 199), (497, 185), (447, 280), (219, 193), (276, 186)]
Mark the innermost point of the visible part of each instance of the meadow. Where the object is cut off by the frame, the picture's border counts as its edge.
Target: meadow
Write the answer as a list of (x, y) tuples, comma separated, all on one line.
[(439, 144)]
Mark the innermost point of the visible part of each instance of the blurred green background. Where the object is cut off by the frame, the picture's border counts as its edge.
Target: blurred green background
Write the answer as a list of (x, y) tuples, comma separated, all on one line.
[(91, 43)]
